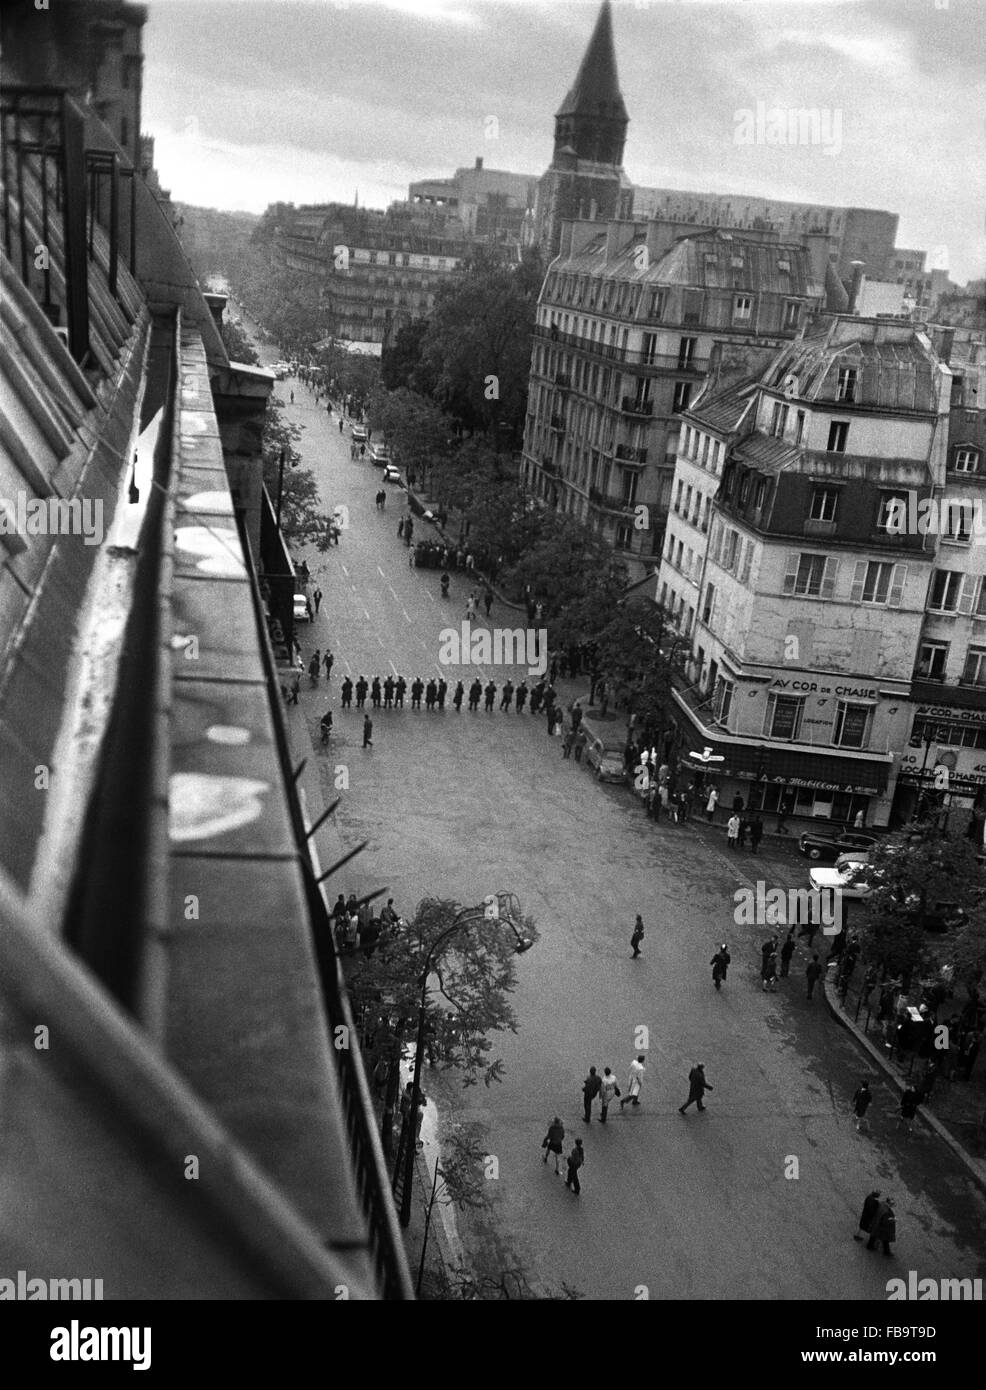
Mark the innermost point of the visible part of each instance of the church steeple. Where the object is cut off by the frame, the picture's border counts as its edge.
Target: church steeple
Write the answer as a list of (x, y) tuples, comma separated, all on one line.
[(592, 120)]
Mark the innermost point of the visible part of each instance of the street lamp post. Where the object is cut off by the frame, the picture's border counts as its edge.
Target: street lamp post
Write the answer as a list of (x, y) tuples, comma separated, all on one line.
[(499, 907)]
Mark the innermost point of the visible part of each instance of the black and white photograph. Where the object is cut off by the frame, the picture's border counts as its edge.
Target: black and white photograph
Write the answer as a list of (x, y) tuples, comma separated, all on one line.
[(493, 668)]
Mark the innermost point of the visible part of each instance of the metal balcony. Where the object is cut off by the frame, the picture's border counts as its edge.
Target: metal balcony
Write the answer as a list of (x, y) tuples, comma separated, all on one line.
[(630, 405)]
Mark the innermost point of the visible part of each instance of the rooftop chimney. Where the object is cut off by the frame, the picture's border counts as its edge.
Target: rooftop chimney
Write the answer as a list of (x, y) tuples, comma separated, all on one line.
[(946, 345), (855, 283), (479, 161)]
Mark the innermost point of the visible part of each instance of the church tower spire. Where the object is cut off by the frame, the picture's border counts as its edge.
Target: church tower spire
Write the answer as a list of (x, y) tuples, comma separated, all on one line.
[(585, 178), (593, 120)]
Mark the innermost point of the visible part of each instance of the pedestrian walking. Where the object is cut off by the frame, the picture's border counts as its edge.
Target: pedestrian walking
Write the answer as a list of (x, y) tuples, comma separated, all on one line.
[(607, 1090), (566, 744), (327, 662), (490, 696), (347, 693), (860, 1104), (635, 1080), (313, 668), (317, 596), (720, 966), (470, 607), (909, 1103), (537, 695), (507, 696), (813, 971), (756, 834), (294, 688), (769, 972), (340, 424), (866, 1216), (638, 936), (457, 697), (581, 739), (787, 951), (367, 731), (292, 398), (732, 831), (575, 1161), (521, 696), (399, 690), (553, 1141), (591, 1087), (400, 528), (362, 687), (884, 1227), (711, 804), (697, 1087)]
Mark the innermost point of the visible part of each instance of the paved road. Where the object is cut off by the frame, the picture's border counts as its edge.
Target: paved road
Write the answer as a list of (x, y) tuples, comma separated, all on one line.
[(705, 1206)]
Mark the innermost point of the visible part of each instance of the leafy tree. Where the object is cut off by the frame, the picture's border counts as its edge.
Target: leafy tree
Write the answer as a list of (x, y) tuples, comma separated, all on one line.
[(630, 650), (238, 346), (477, 348), (468, 996), (401, 363), (908, 879), (301, 519), (573, 573), (416, 429)]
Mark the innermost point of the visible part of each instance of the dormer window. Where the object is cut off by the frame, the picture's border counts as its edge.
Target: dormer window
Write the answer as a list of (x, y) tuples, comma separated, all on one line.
[(846, 389)]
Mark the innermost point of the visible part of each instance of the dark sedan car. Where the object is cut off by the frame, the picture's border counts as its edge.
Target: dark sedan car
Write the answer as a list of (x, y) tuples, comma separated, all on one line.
[(818, 845)]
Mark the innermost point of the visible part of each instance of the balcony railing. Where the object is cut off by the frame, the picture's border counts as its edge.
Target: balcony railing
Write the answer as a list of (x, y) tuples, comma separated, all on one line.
[(630, 405), (612, 352), (609, 501), (563, 380), (557, 423), (628, 453)]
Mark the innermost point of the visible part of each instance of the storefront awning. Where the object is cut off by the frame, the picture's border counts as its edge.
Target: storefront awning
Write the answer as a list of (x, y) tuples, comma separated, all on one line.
[(790, 767)]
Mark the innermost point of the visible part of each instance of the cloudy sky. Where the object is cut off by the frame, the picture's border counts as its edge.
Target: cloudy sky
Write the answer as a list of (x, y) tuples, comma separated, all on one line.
[(252, 101)]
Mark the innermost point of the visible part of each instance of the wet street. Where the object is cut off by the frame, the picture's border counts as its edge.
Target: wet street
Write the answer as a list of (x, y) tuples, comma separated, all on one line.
[(759, 1196)]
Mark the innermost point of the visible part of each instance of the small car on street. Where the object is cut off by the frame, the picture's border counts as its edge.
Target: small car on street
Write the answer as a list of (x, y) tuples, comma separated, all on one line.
[(379, 454), (391, 473), (302, 609), (358, 433)]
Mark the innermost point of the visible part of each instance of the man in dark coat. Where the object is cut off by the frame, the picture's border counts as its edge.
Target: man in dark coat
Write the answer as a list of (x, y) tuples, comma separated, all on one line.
[(458, 696), (475, 694), (697, 1087), (367, 731), (417, 690), (521, 696), (756, 832), (440, 693), (591, 1087), (638, 935), (884, 1227), (399, 689), (867, 1214), (388, 692), (537, 695), (507, 696), (575, 1161), (361, 688), (375, 695), (720, 966), (347, 693), (431, 694), (490, 696), (813, 971)]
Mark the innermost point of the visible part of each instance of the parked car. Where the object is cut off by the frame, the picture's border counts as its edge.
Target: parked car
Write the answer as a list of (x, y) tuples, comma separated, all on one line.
[(358, 433), (819, 844), (391, 473), (605, 757), (841, 877), (302, 609), (379, 454)]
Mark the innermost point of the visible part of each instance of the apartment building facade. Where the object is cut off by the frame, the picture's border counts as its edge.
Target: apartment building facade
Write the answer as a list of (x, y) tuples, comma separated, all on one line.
[(374, 272), (801, 601), (627, 317), (945, 758)]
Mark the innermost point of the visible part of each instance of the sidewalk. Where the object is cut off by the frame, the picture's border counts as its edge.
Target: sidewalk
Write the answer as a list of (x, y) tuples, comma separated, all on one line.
[(955, 1110)]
